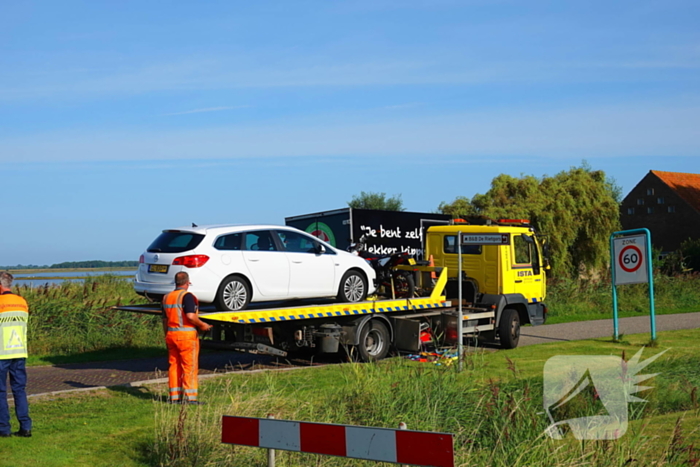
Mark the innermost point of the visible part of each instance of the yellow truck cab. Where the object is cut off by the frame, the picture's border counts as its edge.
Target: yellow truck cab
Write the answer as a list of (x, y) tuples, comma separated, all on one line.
[(503, 269)]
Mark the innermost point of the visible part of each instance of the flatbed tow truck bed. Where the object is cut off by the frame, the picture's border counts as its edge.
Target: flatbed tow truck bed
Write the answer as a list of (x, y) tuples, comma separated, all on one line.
[(371, 324)]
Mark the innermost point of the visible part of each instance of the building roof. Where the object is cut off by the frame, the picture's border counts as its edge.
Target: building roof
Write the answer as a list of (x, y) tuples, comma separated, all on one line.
[(686, 185)]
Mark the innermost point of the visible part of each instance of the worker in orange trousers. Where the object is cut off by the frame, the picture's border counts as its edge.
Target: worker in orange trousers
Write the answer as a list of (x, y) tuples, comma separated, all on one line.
[(180, 324)]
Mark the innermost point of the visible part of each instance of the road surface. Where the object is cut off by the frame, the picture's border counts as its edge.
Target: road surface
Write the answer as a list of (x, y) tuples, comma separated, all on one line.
[(85, 376)]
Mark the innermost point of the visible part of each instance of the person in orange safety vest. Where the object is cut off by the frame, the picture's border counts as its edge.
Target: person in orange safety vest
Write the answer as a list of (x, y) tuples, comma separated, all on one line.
[(14, 315), (180, 323)]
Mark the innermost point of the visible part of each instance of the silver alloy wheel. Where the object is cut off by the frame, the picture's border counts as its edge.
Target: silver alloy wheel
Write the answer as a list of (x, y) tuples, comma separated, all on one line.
[(235, 295), (374, 342), (354, 288)]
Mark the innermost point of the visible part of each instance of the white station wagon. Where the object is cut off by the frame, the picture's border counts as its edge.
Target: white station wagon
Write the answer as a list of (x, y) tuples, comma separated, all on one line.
[(232, 266)]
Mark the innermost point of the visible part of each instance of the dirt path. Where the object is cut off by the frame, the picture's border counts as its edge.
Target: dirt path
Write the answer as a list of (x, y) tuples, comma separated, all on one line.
[(56, 379), (604, 328)]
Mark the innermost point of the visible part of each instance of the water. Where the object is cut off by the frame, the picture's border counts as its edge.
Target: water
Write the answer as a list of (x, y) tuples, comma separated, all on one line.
[(76, 276)]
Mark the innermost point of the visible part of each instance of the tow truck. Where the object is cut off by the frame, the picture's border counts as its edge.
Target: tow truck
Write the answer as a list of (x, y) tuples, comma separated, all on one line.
[(503, 274)]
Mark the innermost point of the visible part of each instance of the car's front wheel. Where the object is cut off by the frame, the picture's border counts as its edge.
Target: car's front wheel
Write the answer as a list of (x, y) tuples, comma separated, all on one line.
[(233, 294), (353, 287)]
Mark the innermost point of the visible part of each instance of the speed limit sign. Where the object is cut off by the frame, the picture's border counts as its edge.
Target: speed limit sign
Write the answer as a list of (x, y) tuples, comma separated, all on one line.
[(630, 255)]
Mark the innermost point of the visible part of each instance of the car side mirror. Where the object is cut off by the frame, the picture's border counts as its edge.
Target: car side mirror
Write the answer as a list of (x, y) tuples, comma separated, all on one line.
[(321, 249)]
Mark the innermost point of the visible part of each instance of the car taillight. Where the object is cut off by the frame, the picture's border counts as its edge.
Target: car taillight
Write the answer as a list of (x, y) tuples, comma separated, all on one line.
[(191, 261), (141, 259)]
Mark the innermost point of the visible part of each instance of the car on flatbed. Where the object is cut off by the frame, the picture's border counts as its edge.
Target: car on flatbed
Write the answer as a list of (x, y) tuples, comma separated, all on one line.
[(234, 265)]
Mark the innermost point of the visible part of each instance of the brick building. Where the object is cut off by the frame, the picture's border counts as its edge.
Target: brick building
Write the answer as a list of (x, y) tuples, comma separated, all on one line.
[(666, 203)]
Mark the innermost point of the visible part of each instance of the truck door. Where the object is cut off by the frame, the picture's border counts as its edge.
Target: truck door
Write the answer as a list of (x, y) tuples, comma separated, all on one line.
[(526, 268)]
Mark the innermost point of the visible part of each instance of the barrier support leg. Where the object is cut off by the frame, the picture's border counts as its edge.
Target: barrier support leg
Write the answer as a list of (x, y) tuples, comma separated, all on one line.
[(402, 426), (270, 452)]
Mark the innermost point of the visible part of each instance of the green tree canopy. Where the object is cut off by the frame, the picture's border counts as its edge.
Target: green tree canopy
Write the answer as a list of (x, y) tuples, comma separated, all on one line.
[(379, 201), (577, 209)]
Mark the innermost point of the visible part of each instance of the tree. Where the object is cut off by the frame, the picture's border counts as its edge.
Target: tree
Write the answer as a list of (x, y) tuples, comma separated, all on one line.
[(378, 201), (460, 208), (684, 260), (577, 209)]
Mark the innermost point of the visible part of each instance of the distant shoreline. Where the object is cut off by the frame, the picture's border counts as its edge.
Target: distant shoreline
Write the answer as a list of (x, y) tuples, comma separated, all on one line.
[(49, 270)]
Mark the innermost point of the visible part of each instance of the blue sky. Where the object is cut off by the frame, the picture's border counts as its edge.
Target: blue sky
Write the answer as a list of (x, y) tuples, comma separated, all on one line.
[(120, 119)]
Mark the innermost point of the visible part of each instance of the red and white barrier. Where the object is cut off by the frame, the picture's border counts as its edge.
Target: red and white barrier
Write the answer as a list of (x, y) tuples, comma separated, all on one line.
[(359, 442)]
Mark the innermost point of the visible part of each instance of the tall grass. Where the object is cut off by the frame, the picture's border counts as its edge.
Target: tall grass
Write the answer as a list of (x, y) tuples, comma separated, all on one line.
[(569, 299), (74, 318), (496, 423)]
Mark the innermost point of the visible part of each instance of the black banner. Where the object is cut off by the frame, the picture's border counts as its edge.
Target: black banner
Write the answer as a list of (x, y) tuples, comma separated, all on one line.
[(386, 232), (389, 232)]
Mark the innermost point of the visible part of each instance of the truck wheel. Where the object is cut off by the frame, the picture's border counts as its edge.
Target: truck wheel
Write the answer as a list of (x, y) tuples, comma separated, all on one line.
[(233, 294), (404, 285), (509, 328), (353, 287), (374, 341)]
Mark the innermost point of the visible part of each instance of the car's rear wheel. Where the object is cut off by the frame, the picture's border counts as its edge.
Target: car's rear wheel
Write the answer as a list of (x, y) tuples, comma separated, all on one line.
[(353, 287), (233, 294)]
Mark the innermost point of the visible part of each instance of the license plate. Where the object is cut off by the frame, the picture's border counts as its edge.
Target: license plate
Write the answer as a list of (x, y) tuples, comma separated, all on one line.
[(411, 261), (160, 268)]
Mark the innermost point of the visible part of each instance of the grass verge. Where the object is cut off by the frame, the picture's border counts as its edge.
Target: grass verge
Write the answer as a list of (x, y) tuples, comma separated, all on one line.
[(493, 407)]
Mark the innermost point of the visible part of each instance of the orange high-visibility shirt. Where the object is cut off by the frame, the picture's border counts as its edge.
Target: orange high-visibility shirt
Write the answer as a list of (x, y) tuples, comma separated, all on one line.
[(174, 311)]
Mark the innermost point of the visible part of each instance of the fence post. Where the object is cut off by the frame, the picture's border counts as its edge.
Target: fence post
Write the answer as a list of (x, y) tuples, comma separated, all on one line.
[(270, 452), (402, 426)]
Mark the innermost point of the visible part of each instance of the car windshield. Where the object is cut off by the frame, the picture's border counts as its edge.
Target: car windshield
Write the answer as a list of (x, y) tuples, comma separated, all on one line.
[(173, 241)]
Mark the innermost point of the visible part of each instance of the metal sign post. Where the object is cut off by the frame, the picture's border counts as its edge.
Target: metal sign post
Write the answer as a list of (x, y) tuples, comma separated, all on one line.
[(494, 239), (460, 337), (630, 258)]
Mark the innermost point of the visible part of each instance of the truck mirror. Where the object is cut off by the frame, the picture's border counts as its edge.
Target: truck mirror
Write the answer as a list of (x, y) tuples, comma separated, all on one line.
[(546, 253)]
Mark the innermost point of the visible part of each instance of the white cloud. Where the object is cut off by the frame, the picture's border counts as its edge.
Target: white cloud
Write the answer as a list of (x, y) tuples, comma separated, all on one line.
[(286, 69), (209, 109), (578, 132), (402, 106)]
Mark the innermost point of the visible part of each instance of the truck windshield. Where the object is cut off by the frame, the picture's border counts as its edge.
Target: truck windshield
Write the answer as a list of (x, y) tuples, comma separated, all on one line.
[(450, 246)]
